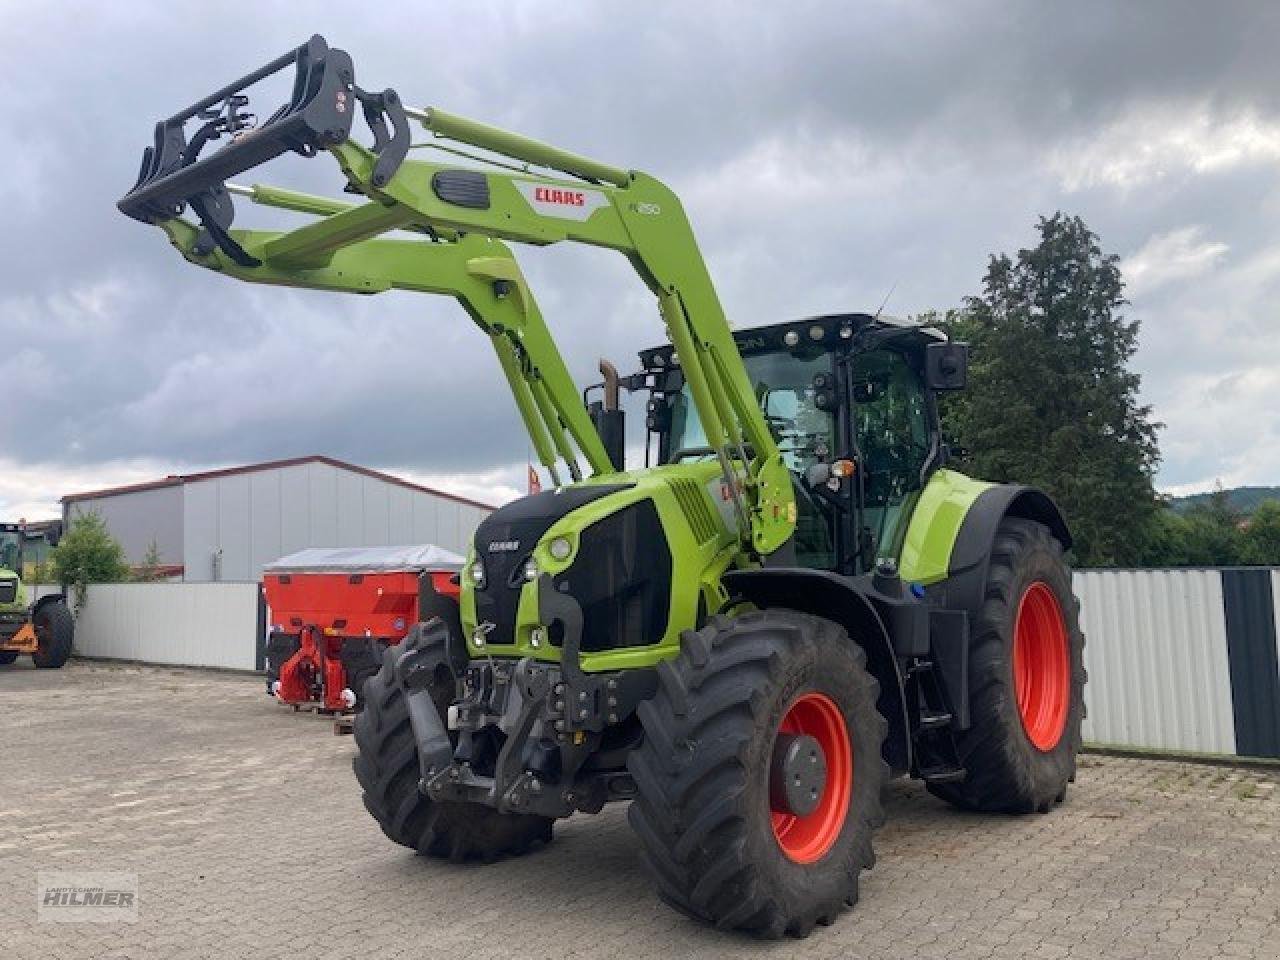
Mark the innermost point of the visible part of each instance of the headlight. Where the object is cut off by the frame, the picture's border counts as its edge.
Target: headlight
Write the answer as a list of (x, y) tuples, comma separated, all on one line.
[(530, 570), (560, 548), (477, 574)]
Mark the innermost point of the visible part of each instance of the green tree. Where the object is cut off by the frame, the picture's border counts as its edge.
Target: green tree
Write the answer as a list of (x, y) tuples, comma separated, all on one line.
[(1052, 401), (1166, 541), (88, 554), (1214, 530), (149, 570), (1260, 541), (1210, 542)]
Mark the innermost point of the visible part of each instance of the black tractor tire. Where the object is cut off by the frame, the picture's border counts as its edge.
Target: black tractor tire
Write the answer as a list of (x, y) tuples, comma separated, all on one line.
[(387, 768), (280, 647), (7, 657), (703, 811), (55, 628), (361, 661), (1006, 771)]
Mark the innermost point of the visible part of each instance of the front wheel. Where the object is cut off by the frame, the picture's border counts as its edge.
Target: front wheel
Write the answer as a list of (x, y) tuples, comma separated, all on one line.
[(1026, 679), (387, 768), (7, 657), (55, 631), (759, 779)]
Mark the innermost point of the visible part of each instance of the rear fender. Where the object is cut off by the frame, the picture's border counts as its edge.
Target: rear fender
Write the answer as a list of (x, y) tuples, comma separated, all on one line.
[(971, 555), (833, 597)]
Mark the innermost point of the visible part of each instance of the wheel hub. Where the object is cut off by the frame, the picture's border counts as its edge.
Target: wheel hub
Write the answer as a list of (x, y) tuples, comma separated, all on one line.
[(797, 775), (810, 778)]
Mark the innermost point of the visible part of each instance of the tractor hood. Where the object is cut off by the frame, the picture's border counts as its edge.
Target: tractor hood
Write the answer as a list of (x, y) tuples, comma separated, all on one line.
[(630, 551), (12, 595)]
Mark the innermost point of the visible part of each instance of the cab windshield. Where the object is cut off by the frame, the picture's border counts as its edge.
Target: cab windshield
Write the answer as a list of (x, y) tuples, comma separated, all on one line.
[(10, 551), (891, 422), (783, 384), (805, 435)]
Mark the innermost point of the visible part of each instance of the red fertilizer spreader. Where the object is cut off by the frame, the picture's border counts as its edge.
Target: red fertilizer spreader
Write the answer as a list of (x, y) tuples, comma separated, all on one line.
[(334, 611)]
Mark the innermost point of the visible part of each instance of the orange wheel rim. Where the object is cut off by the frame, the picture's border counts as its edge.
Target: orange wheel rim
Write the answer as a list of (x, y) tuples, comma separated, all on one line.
[(1041, 666), (806, 839)]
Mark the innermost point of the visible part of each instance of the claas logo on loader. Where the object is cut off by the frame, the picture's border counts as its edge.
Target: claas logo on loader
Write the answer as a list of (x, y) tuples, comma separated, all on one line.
[(563, 202), (569, 198)]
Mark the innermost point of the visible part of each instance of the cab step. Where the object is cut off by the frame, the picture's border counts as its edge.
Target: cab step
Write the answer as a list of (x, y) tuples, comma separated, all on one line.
[(943, 774), (934, 720)]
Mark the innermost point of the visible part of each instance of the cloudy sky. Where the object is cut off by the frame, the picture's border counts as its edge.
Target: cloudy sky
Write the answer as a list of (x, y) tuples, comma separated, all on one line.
[(827, 153)]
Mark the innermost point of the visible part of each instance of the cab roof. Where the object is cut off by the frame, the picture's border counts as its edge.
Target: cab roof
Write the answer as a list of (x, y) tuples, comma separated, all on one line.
[(828, 328)]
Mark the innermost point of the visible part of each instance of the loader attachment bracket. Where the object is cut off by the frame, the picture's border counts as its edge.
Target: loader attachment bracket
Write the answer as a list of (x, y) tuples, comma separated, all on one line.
[(177, 173)]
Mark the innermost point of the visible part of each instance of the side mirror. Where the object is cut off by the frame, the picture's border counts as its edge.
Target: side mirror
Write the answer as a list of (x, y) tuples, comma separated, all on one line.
[(946, 366)]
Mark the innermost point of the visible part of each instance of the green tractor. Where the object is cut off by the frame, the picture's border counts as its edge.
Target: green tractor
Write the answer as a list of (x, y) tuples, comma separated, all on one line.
[(792, 601), (43, 630)]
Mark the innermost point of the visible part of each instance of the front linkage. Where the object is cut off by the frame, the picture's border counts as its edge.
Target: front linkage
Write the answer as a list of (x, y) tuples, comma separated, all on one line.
[(549, 720)]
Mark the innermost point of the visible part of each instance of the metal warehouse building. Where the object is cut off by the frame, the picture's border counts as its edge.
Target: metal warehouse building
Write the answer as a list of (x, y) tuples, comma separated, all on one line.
[(225, 524)]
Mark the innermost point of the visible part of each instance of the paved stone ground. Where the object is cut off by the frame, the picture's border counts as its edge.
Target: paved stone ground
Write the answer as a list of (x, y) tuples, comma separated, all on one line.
[(244, 825)]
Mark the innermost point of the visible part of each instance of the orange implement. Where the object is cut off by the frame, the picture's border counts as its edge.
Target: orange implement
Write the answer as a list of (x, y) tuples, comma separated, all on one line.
[(24, 641)]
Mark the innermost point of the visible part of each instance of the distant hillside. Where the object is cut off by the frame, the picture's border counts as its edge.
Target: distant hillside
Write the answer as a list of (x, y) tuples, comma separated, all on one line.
[(1244, 499)]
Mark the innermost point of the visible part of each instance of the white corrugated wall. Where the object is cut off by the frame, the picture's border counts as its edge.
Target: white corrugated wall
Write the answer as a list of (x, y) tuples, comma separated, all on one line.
[(1156, 652), (37, 590), (1156, 647), (188, 624)]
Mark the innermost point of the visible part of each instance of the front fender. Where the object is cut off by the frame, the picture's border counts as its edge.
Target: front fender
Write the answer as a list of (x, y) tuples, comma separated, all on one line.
[(829, 595), (47, 599)]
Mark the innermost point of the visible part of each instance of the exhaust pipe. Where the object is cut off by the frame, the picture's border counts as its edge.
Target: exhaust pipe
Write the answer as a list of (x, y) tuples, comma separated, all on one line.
[(610, 421)]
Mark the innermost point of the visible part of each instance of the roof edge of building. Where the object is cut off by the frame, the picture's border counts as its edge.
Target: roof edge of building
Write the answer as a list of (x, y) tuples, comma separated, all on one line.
[(177, 480)]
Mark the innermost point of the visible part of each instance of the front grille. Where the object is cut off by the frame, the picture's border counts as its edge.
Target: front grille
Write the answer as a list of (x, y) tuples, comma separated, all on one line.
[(498, 601), (520, 523), (8, 590), (622, 579)]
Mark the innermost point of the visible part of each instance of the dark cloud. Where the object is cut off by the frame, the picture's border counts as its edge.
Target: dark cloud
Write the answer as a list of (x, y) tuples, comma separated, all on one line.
[(827, 153)]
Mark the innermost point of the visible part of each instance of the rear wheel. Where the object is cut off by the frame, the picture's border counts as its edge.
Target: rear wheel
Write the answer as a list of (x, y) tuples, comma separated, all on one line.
[(759, 779), (1026, 679), (387, 768), (55, 631)]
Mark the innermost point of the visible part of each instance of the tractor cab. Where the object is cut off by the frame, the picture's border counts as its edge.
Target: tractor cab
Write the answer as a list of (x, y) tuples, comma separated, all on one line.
[(851, 402)]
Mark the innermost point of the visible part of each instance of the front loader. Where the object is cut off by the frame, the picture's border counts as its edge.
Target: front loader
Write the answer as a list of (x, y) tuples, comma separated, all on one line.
[(44, 629), (793, 600)]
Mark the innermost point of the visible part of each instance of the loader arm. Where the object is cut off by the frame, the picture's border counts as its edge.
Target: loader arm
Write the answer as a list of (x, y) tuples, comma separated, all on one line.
[(477, 271), (583, 201)]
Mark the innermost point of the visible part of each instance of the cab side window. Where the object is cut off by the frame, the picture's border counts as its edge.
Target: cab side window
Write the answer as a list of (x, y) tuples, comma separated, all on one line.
[(894, 439)]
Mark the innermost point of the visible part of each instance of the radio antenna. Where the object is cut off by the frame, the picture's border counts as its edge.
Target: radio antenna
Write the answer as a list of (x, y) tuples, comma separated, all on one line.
[(885, 301)]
